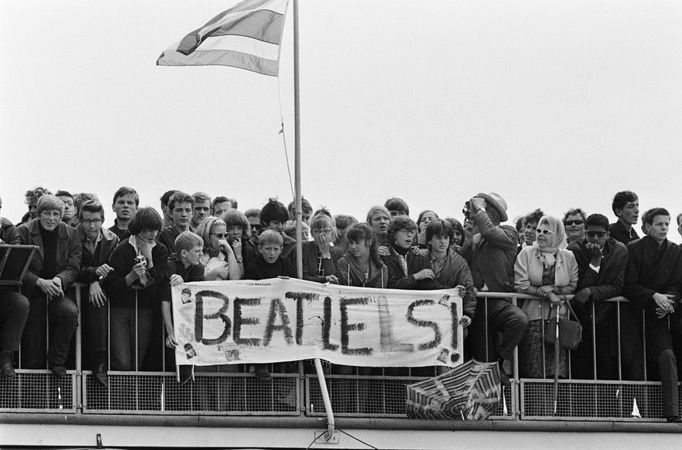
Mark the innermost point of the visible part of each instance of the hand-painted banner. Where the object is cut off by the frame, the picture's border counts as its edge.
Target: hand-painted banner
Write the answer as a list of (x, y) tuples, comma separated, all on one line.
[(232, 322)]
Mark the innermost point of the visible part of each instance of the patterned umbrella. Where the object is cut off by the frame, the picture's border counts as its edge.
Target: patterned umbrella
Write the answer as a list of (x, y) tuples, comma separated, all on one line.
[(468, 392)]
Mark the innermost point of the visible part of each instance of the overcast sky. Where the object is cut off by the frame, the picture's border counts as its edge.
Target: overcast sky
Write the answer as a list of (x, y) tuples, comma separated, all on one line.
[(552, 104)]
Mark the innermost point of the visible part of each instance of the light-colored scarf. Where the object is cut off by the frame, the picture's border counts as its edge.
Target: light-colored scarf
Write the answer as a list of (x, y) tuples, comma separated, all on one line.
[(557, 240)]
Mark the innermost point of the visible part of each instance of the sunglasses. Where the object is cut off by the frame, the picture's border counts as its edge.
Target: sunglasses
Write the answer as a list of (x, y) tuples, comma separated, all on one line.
[(599, 234), (574, 222), (541, 231), (220, 235)]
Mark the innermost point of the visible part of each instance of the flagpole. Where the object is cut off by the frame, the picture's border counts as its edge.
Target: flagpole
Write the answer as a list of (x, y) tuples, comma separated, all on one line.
[(297, 151)]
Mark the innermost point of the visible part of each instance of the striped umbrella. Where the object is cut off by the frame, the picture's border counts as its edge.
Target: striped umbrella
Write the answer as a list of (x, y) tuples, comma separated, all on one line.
[(470, 391)]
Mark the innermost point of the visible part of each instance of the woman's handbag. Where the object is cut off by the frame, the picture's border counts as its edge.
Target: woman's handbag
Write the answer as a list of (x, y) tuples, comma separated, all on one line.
[(570, 331)]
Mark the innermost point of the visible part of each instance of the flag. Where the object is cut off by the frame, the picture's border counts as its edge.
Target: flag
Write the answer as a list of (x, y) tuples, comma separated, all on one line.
[(246, 36)]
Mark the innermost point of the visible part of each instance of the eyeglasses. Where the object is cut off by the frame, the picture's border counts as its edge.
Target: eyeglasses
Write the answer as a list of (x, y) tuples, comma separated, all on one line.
[(91, 221), (320, 231), (220, 235), (574, 222), (599, 234), (541, 231)]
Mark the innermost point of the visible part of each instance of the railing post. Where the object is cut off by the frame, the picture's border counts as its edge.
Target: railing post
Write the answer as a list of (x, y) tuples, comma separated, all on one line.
[(325, 398), (79, 385)]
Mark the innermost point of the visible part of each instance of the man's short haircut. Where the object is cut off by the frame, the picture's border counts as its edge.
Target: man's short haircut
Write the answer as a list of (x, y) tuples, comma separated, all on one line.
[(187, 240), (360, 232), (32, 195), (166, 197), (201, 197), (648, 217), (235, 218), (343, 221), (83, 197), (219, 199), (146, 218), (397, 204), (123, 190), (306, 207), (270, 237), (621, 199), (374, 210), (575, 211), (179, 197), (63, 194), (252, 212), (399, 223), (679, 218), (597, 220), (91, 206), (49, 202), (273, 210), (439, 227), (534, 217), (456, 226), (323, 210)]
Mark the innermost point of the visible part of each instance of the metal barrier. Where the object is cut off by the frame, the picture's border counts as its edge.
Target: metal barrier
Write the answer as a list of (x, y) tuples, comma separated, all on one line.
[(292, 394)]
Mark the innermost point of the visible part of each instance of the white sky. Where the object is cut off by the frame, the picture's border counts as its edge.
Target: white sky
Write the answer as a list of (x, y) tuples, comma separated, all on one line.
[(553, 104)]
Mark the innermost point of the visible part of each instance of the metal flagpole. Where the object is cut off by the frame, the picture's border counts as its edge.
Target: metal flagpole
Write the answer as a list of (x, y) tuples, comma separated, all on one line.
[(297, 151)]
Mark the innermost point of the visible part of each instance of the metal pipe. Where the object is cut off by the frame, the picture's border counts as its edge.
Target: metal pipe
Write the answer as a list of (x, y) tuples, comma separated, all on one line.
[(325, 399)]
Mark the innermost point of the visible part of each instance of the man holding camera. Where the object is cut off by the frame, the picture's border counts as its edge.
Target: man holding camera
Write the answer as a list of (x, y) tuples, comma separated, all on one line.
[(491, 254)]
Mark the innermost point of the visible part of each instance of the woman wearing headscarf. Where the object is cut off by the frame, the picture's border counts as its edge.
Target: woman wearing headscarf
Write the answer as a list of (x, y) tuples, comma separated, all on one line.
[(218, 258), (546, 270)]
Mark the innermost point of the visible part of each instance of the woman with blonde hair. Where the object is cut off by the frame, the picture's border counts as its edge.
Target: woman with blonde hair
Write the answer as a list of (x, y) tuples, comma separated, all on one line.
[(218, 259), (546, 270)]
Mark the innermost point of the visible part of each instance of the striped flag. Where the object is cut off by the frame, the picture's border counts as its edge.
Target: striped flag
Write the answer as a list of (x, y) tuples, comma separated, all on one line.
[(246, 36)]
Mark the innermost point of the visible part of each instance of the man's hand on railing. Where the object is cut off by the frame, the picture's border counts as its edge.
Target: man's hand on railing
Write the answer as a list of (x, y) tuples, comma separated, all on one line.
[(50, 287), (664, 303), (582, 296), (96, 294), (424, 274), (104, 270)]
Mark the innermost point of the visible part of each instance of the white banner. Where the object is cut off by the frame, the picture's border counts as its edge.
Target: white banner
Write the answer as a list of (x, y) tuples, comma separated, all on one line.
[(275, 320)]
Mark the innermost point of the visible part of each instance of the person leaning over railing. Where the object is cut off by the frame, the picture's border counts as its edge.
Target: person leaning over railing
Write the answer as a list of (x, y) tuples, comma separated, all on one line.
[(601, 274), (545, 269), (135, 284), (98, 245), (54, 268), (652, 282), (14, 308), (491, 252)]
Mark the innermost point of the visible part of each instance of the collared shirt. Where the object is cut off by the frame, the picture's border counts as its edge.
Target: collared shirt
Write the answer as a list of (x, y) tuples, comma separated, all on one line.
[(618, 231), (89, 245)]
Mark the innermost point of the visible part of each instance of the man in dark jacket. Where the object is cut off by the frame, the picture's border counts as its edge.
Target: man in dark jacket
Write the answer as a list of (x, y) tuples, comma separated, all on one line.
[(652, 283), (98, 244), (491, 255), (54, 268), (601, 273)]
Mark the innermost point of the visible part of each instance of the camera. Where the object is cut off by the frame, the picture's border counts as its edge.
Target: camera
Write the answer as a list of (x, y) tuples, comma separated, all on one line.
[(467, 210), (140, 259)]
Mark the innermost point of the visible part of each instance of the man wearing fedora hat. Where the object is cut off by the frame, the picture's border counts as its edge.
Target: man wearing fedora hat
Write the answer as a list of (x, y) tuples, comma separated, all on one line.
[(491, 254)]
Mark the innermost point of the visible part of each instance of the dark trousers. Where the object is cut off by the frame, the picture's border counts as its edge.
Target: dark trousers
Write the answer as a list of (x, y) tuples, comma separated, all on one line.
[(502, 317), (127, 330), (95, 323), (14, 309), (659, 346), (55, 318)]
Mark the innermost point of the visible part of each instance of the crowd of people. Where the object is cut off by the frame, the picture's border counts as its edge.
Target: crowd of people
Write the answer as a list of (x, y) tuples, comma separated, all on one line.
[(582, 259)]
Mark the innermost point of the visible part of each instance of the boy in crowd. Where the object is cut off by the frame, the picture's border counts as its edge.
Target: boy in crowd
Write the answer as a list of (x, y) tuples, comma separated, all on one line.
[(165, 198), (652, 282), (306, 207), (180, 206), (98, 244), (269, 263), (55, 266), (602, 261), (626, 208), (253, 216), (124, 206), (222, 204), (201, 208), (31, 199), (70, 212), (397, 207), (183, 266), (273, 216)]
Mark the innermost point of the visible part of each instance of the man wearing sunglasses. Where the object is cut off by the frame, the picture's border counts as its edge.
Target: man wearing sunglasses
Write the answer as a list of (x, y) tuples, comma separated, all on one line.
[(602, 261)]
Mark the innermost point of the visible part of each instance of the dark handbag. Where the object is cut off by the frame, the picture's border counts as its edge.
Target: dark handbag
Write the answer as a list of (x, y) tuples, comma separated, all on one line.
[(570, 331)]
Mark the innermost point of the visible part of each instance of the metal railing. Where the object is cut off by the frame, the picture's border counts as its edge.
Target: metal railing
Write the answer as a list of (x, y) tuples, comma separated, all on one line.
[(367, 393)]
